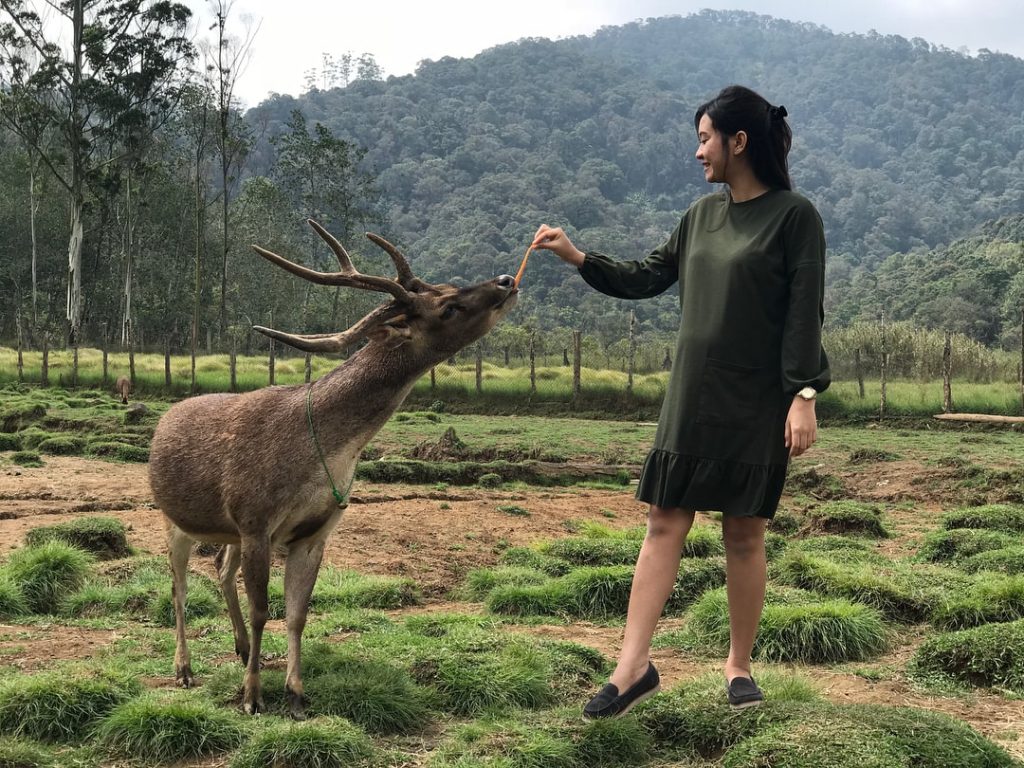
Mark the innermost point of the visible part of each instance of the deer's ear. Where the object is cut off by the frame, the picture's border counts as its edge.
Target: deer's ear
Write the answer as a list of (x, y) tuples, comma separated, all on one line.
[(391, 334)]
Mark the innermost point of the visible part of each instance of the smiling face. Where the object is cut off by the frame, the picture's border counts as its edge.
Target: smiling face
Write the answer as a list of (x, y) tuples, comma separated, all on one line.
[(713, 151)]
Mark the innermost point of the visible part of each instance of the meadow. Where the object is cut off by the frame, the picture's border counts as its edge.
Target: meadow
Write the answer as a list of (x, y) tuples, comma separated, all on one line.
[(462, 618)]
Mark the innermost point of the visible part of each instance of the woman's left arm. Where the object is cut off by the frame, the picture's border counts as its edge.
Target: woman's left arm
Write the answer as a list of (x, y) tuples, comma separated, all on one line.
[(804, 363)]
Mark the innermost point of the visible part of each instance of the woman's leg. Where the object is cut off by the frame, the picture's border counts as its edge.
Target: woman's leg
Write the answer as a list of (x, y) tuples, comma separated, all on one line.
[(656, 570), (746, 573)]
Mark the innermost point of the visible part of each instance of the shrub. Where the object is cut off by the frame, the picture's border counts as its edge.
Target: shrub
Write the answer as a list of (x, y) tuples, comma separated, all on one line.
[(489, 480), (992, 598), (999, 517), (27, 458), (847, 517), (48, 574), (961, 543), (60, 705), (991, 655), (1009, 560), (10, 441), (170, 729), (64, 445), (105, 537), (326, 743), (796, 629)]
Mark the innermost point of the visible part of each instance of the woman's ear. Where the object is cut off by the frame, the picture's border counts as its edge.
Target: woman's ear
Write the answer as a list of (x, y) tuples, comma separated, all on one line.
[(738, 142)]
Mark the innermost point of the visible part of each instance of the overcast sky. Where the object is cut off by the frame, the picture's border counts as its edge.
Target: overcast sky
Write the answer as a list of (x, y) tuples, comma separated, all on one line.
[(293, 35)]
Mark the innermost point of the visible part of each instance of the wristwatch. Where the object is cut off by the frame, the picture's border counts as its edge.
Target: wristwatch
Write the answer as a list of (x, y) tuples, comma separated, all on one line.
[(807, 393)]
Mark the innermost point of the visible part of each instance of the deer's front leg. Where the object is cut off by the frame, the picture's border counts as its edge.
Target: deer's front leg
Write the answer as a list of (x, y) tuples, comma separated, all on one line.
[(255, 575), (179, 547), (300, 572), (227, 562)]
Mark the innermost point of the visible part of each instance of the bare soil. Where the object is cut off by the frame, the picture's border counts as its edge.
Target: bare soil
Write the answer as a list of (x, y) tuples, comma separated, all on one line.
[(435, 537)]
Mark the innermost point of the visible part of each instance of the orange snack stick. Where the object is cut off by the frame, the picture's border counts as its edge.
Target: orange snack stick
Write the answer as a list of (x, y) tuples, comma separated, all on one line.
[(522, 267)]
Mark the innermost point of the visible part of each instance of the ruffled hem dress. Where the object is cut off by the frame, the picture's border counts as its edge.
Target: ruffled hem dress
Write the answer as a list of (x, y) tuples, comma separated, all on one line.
[(751, 280)]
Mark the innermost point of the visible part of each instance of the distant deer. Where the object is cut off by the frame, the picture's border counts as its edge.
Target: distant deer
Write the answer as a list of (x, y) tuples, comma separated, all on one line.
[(245, 470), (123, 387)]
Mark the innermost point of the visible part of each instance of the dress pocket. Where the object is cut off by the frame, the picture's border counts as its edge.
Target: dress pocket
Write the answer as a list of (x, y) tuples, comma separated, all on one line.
[(731, 395)]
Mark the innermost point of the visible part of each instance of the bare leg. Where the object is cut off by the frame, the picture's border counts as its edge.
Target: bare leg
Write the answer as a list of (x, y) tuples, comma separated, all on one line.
[(746, 573), (657, 568), (227, 563), (255, 574), (299, 577), (179, 547)]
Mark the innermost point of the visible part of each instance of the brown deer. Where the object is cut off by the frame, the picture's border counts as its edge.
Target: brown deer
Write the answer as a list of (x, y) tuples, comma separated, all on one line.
[(123, 387), (246, 470)]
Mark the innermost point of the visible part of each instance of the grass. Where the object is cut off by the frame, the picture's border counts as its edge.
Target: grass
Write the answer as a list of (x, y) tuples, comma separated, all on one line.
[(61, 705), (27, 459), (960, 544), (48, 574), (104, 537), (847, 517), (988, 656), (1009, 560), (1008, 518), (12, 599), (325, 743), (170, 728), (337, 588), (991, 598), (480, 582), (17, 753)]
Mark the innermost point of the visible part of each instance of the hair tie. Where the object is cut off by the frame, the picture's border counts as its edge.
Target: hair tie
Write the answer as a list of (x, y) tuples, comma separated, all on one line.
[(777, 113)]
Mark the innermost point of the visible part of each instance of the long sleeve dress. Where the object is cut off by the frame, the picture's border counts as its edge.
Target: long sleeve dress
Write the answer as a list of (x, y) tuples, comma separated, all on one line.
[(751, 281)]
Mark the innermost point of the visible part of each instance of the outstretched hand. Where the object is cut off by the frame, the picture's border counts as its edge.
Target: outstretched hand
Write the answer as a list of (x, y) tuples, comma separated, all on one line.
[(555, 240)]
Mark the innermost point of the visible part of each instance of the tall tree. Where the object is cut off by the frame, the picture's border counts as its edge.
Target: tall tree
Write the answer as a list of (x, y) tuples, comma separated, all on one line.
[(121, 64)]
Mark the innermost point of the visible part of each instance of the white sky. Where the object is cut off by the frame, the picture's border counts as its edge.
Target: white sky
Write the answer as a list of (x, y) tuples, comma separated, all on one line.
[(400, 33)]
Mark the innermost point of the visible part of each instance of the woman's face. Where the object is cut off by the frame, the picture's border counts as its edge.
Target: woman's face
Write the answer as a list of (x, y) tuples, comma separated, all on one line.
[(712, 152)]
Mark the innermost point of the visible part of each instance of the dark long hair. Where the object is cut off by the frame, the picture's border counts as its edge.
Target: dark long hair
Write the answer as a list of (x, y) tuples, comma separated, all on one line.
[(769, 138)]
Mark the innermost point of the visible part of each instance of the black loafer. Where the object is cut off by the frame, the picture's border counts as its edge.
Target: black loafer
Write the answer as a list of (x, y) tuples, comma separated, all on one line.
[(743, 693), (610, 703)]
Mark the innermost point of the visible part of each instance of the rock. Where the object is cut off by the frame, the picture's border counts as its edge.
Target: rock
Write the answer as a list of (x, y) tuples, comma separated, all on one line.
[(135, 413)]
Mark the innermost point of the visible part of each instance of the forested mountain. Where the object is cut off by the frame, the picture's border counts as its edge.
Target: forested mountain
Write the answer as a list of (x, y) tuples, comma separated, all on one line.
[(913, 154)]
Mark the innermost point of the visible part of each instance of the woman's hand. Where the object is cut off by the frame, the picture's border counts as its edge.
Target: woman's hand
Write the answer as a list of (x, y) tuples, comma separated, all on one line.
[(801, 426), (555, 240)]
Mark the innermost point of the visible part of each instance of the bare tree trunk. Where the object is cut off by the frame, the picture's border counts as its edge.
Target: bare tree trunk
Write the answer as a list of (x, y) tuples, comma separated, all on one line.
[(74, 303), (270, 363), (44, 374), (479, 368), (131, 355), (1022, 360), (632, 350), (947, 374), (859, 372), (199, 269), (106, 343), (21, 359), (533, 363), (885, 363), (74, 365), (129, 265), (577, 358), (33, 208)]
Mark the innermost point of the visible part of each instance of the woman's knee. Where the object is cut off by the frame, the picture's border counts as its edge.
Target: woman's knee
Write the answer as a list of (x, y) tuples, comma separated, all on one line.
[(668, 521), (743, 537)]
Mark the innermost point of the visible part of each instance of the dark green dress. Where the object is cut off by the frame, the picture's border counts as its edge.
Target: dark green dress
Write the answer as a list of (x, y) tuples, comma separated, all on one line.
[(751, 279)]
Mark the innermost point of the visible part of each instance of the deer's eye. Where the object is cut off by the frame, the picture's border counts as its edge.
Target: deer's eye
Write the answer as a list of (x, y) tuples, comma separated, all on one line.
[(450, 311)]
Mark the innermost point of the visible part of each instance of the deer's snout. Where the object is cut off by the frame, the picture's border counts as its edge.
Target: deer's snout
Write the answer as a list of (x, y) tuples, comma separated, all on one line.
[(506, 281)]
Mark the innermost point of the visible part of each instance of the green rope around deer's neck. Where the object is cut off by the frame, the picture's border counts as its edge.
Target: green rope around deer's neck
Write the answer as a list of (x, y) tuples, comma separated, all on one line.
[(341, 498)]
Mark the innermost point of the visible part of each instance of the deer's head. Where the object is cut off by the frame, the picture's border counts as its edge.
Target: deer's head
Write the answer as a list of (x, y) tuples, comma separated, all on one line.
[(431, 322)]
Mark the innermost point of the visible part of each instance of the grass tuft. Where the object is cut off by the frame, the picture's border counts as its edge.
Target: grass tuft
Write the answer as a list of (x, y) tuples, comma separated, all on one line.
[(15, 753), (12, 600), (63, 445), (992, 598), (10, 441), (961, 543), (27, 459), (846, 517), (988, 656), (482, 581), (1009, 560), (105, 537), (377, 696), (48, 574), (326, 743), (1008, 518)]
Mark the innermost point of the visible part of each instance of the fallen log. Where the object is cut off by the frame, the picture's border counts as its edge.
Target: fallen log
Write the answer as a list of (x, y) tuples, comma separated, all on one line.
[(983, 418)]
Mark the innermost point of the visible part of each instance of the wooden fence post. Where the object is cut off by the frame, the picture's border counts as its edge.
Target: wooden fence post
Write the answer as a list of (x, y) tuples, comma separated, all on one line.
[(309, 367), (233, 363), (21, 359), (577, 358), (270, 362), (859, 372), (885, 363), (106, 344), (479, 368), (632, 350), (533, 363), (947, 373), (44, 373), (167, 363)]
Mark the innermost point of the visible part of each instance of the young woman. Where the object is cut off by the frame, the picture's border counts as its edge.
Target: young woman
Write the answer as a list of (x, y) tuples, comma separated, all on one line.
[(750, 263)]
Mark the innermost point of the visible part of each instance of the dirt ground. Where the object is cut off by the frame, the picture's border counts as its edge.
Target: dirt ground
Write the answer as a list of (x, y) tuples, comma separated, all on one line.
[(436, 537)]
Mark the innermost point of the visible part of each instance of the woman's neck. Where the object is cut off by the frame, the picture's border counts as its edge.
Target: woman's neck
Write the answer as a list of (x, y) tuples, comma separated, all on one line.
[(745, 186)]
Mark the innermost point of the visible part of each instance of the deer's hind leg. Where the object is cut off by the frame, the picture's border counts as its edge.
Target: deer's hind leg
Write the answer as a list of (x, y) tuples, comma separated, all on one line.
[(255, 574), (227, 562), (179, 547)]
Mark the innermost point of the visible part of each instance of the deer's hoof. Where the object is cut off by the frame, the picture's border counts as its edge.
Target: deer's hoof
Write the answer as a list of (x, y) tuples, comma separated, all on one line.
[(243, 654), (183, 676), (253, 707), (296, 705)]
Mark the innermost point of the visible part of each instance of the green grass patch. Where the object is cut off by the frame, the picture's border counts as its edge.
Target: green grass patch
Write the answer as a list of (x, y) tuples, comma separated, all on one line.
[(1009, 560), (1008, 518), (847, 517), (65, 445), (991, 598), (170, 728), (119, 450), (27, 459), (514, 510), (12, 599), (61, 705), (104, 537), (48, 574), (843, 548), (17, 753), (872, 456), (325, 743), (32, 437), (959, 544), (528, 557), (795, 627), (481, 582), (10, 441), (16, 414), (337, 589)]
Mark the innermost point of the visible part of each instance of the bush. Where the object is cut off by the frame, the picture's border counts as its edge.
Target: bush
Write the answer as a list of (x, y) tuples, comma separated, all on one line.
[(60, 705), (489, 480), (795, 629), (326, 743), (48, 574), (105, 537), (961, 543), (989, 656), (847, 517), (64, 445), (999, 517), (27, 458), (170, 729), (10, 441)]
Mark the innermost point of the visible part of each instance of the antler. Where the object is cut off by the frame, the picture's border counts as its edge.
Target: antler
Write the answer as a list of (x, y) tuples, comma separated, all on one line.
[(334, 342), (348, 275)]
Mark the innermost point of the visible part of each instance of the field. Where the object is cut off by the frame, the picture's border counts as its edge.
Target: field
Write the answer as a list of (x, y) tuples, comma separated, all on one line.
[(473, 596)]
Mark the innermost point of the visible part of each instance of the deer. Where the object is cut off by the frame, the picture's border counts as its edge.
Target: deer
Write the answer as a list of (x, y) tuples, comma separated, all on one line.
[(252, 471), (123, 387)]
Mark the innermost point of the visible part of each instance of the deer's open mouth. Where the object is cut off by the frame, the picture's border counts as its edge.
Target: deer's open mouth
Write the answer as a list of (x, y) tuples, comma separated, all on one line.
[(511, 296)]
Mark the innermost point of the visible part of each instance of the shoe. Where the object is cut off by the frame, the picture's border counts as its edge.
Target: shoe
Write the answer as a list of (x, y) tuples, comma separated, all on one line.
[(609, 703), (744, 693)]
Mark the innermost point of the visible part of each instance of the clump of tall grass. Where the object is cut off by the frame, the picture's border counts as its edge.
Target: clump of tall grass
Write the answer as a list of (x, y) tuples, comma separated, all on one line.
[(846, 517), (104, 537), (48, 574), (961, 543), (64, 445), (10, 441), (61, 705), (481, 582), (528, 557), (991, 655), (325, 743), (375, 695), (337, 588), (17, 753), (12, 600), (170, 728), (795, 629), (991, 598), (117, 449), (1008, 518), (28, 459), (1009, 560), (696, 716), (200, 601), (839, 548)]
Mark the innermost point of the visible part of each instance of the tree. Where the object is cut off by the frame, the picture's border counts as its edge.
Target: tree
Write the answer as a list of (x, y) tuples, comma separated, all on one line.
[(120, 66)]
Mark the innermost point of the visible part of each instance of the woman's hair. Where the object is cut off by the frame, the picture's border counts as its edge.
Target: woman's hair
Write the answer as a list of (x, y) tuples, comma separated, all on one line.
[(769, 138)]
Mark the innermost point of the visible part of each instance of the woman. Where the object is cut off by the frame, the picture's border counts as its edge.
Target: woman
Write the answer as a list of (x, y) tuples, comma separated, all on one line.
[(750, 263)]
